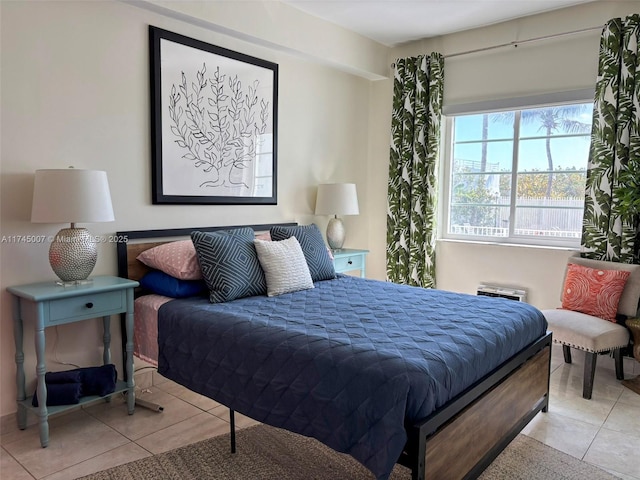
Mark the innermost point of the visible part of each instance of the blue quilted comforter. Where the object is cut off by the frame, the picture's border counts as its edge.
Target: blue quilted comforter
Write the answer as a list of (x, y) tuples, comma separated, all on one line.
[(347, 362)]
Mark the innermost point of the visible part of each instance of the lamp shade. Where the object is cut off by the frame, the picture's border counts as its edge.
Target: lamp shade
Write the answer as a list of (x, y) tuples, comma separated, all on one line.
[(337, 199), (71, 196)]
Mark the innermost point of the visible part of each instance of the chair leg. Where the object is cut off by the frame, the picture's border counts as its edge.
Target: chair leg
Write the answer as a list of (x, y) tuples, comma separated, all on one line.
[(589, 373), (566, 351), (617, 356)]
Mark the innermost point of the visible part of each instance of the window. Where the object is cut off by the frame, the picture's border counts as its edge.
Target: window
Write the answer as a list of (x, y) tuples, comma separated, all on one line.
[(518, 176)]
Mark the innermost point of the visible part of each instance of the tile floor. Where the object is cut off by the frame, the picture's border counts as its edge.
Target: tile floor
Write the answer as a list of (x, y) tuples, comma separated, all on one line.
[(604, 431)]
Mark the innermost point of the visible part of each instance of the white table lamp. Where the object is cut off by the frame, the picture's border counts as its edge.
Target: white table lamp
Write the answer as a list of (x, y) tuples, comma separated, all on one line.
[(72, 196), (336, 199)]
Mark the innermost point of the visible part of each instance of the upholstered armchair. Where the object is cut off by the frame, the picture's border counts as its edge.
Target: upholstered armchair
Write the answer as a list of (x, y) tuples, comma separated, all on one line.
[(595, 293)]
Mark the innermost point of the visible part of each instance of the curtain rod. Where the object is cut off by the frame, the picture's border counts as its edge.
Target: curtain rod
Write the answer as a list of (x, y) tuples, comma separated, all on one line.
[(515, 43)]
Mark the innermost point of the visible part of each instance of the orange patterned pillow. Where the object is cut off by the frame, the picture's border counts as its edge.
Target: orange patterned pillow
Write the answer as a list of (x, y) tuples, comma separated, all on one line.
[(593, 291)]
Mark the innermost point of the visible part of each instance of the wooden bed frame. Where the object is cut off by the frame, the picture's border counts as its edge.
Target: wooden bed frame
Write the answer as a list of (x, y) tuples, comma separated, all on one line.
[(460, 439)]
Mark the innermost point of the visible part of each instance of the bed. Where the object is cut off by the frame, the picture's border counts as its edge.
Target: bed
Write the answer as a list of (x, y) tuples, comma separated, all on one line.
[(442, 395)]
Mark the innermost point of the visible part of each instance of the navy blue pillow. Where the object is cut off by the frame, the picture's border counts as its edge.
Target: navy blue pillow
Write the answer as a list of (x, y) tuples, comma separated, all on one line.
[(315, 252), (229, 264), (164, 284)]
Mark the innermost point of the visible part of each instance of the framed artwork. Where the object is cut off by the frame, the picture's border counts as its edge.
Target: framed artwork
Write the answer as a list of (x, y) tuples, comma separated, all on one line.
[(213, 123)]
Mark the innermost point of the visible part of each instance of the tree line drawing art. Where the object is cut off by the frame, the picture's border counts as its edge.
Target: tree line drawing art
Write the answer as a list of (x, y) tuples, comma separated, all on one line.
[(218, 122), (214, 123)]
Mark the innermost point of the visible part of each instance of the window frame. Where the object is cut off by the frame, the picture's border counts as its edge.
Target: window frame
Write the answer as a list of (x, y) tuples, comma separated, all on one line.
[(479, 108)]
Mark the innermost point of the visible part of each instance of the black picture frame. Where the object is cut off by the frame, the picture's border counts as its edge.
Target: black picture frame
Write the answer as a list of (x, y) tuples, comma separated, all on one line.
[(214, 118)]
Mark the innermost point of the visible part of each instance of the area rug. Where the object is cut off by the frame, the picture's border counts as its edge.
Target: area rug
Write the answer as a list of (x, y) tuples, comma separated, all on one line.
[(267, 453)]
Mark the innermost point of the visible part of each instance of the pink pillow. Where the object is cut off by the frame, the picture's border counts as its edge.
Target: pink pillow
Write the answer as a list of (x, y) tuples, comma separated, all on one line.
[(177, 259), (593, 291)]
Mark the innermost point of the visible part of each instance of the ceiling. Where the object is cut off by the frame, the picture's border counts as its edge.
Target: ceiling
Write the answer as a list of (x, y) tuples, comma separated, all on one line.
[(393, 22)]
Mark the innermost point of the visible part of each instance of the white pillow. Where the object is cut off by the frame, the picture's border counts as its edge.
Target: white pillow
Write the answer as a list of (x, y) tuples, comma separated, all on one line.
[(284, 265)]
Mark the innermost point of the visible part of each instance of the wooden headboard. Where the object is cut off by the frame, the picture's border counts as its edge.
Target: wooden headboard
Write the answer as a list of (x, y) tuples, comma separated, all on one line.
[(132, 243)]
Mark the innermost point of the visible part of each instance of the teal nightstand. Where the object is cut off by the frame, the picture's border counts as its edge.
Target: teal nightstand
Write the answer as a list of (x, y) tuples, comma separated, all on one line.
[(348, 260), (47, 304)]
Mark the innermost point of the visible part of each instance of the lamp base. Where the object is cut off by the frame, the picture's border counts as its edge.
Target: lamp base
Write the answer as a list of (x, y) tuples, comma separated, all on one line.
[(335, 233), (73, 254)]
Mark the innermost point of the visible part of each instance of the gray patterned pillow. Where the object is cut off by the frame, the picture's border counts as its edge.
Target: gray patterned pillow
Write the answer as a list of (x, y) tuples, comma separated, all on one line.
[(284, 265), (229, 264), (313, 247)]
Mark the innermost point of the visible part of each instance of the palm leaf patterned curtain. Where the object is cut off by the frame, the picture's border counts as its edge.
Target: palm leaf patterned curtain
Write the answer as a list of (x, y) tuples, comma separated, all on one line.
[(412, 193), (612, 199)]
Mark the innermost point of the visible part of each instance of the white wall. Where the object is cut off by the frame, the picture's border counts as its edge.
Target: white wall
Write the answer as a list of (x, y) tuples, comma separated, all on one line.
[(555, 65), (75, 91)]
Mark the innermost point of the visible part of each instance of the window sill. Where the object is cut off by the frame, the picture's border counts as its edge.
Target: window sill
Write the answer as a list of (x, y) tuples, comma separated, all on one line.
[(510, 244)]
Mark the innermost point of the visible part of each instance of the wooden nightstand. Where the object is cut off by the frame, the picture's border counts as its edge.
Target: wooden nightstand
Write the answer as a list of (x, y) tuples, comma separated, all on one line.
[(48, 304), (348, 260)]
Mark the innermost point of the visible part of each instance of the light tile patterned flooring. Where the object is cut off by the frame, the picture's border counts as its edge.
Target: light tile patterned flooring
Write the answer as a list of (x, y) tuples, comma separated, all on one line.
[(603, 431)]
